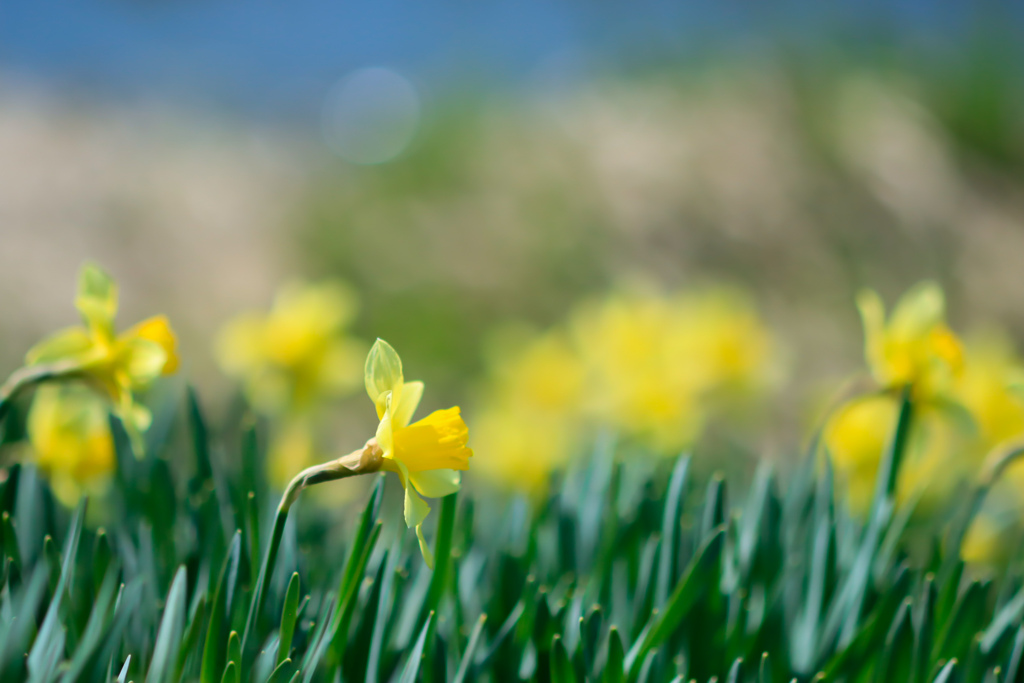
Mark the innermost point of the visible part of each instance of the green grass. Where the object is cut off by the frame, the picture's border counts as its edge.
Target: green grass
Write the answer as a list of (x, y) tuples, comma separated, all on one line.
[(617, 576)]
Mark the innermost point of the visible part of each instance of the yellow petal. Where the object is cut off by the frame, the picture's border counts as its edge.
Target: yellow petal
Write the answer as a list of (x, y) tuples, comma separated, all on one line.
[(436, 483), (428, 556), (408, 401), (918, 311), (97, 299), (385, 435), (72, 343), (872, 314), (416, 509), (383, 372), (158, 330)]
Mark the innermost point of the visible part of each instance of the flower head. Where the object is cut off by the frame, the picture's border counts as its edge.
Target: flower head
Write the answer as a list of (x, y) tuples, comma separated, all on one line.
[(428, 454), (71, 441), (120, 364), (914, 346), (296, 354)]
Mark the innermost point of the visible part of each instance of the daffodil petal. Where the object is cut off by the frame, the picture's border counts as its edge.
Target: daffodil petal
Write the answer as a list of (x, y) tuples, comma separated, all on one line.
[(385, 436), (158, 330), (918, 311), (416, 509), (68, 344), (872, 314), (408, 401), (383, 371), (428, 556), (97, 299), (436, 483)]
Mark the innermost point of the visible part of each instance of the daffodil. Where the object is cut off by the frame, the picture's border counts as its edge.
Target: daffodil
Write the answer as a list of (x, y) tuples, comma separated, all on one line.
[(529, 421), (427, 455), (858, 433), (914, 346), (660, 366), (297, 354), (70, 439), (988, 388), (120, 364)]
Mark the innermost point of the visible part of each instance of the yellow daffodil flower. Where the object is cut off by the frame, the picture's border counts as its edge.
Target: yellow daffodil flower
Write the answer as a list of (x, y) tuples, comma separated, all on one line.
[(660, 365), (428, 454), (120, 364), (987, 387), (859, 432), (914, 346), (297, 354), (71, 441), (528, 424)]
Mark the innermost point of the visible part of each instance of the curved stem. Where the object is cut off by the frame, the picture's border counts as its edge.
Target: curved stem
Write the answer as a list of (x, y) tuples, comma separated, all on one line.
[(996, 464), (366, 460), (26, 376)]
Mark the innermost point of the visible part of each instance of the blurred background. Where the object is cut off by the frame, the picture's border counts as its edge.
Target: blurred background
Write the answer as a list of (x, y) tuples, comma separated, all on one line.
[(473, 168)]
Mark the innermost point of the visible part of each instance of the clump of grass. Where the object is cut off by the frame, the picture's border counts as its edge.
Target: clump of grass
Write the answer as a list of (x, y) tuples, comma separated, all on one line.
[(612, 577)]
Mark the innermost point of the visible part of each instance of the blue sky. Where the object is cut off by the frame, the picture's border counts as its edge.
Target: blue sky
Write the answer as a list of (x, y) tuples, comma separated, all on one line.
[(280, 56)]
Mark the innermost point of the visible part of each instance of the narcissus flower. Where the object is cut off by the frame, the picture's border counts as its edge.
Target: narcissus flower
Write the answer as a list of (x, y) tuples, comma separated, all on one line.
[(120, 364), (297, 354), (428, 454), (914, 346), (71, 441)]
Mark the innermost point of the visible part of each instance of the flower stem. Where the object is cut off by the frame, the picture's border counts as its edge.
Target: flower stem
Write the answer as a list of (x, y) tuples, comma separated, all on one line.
[(996, 463), (26, 376), (366, 460)]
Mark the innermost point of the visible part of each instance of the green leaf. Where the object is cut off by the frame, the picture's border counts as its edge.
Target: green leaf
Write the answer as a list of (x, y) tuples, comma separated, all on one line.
[(699, 575), (168, 637), (234, 659), (614, 668), (96, 629), (283, 672), (412, 665), (442, 555), (764, 671), (359, 555), (467, 655), (44, 648), (945, 674), (212, 659), (561, 667), (668, 560), (289, 615), (897, 656)]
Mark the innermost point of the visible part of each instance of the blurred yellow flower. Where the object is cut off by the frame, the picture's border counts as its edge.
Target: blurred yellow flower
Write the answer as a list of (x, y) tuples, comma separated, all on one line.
[(859, 432), (987, 387), (527, 427), (985, 542), (292, 449), (428, 454), (71, 441), (120, 364), (659, 365), (914, 346), (297, 354)]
